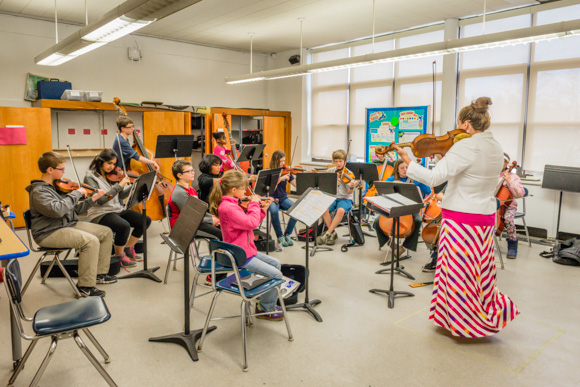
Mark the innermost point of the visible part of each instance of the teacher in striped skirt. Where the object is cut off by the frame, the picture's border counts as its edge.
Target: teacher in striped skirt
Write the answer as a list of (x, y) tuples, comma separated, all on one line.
[(466, 300)]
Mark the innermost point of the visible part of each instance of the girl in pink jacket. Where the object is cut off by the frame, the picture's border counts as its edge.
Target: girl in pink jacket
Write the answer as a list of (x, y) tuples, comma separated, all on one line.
[(237, 228), (513, 183)]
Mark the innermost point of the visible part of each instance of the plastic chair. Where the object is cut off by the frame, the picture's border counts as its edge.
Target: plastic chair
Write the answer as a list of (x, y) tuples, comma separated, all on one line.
[(229, 255), (522, 215), (55, 253), (57, 322)]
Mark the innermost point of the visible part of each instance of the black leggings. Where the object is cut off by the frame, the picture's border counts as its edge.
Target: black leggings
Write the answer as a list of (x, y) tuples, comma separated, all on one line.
[(121, 224), (211, 229)]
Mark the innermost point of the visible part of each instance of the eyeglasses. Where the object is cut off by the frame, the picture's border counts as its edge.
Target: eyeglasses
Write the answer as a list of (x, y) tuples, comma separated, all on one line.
[(130, 127), (191, 170), (59, 169)]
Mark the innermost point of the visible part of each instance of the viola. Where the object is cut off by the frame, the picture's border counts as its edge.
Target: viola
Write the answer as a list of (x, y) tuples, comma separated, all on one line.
[(427, 145), (346, 176), (288, 169), (67, 186), (505, 198), (118, 174)]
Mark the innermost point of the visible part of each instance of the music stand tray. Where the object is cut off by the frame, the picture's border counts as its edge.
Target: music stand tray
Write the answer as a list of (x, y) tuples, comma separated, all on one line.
[(396, 210), (174, 145), (307, 210), (141, 192), (179, 240), (266, 184)]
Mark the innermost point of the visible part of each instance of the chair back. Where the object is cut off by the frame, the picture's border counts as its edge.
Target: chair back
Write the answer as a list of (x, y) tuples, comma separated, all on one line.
[(13, 279), (236, 252)]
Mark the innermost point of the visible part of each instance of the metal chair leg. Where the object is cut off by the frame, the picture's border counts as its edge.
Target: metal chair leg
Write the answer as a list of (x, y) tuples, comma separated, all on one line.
[(290, 336), (93, 360), (168, 265), (45, 362), (36, 267), (207, 320), (67, 276), (499, 251), (244, 349), (97, 345), (47, 273), (193, 290), (249, 317), (527, 233), (22, 362)]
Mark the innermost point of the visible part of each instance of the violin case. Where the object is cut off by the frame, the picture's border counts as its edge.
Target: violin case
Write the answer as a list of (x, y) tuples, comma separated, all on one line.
[(72, 267), (260, 241)]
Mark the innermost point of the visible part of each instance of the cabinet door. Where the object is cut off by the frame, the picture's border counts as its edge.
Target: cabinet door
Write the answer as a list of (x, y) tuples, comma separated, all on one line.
[(19, 163), (156, 123), (274, 138)]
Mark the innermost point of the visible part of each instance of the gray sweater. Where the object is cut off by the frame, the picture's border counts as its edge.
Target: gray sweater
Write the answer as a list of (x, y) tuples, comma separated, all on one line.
[(105, 205), (52, 210)]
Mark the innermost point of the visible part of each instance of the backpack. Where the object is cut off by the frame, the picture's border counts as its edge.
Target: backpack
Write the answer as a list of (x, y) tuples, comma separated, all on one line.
[(565, 253), (356, 232)]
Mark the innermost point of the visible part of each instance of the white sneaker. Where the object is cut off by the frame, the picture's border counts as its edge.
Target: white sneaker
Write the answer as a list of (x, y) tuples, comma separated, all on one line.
[(279, 247)]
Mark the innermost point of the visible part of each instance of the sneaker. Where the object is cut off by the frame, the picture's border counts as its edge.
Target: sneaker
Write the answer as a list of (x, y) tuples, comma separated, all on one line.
[(132, 255), (106, 279), (289, 241), (430, 267), (126, 262), (208, 280), (90, 291), (332, 238), (278, 248), (277, 316), (322, 239), (282, 241)]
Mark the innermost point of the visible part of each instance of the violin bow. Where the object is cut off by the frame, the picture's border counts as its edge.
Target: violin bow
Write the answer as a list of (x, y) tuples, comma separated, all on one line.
[(73, 164), (433, 112)]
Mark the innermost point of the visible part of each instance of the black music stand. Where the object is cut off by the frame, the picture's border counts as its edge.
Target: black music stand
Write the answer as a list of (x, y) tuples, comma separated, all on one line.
[(325, 182), (562, 179), (174, 145), (307, 210), (266, 184), (144, 186), (251, 153), (395, 212), (179, 240), (367, 172), (408, 190)]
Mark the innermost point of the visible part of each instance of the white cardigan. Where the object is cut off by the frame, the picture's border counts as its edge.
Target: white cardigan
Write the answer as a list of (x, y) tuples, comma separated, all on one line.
[(471, 168)]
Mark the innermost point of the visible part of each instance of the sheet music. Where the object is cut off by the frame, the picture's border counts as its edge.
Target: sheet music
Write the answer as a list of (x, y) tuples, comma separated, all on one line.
[(386, 202), (311, 207), (400, 198)]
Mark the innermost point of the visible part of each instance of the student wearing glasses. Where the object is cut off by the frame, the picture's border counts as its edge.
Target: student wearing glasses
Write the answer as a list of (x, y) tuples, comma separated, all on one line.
[(122, 147)]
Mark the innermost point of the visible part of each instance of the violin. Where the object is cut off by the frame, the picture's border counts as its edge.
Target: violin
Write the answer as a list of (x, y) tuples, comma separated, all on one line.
[(505, 197), (427, 145), (288, 169), (67, 186), (346, 176), (118, 174), (264, 203)]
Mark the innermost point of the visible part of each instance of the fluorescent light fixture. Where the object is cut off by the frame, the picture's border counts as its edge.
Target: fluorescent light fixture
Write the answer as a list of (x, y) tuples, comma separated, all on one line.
[(120, 21), (500, 39)]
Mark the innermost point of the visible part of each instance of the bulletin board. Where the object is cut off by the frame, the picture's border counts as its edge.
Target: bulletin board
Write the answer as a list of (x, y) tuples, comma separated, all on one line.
[(398, 124)]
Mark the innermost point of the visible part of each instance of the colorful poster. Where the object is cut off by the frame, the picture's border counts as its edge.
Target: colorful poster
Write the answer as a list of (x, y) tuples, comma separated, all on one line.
[(398, 124)]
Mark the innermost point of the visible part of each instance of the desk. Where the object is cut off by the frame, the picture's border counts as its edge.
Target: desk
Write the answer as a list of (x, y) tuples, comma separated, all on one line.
[(11, 247)]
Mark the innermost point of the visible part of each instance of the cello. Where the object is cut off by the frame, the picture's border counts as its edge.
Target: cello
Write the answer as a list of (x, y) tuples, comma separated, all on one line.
[(156, 203), (385, 170), (505, 198)]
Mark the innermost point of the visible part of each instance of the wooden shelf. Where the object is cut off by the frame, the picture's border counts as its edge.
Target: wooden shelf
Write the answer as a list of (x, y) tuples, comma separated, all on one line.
[(86, 105), (88, 152)]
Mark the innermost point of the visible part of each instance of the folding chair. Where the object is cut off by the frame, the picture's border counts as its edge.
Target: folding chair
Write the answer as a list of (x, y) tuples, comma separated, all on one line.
[(229, 255), (55, 253), (58, 322)]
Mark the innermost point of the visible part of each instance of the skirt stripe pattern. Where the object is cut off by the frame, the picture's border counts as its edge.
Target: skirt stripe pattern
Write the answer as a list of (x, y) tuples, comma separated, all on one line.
[(465, 298)]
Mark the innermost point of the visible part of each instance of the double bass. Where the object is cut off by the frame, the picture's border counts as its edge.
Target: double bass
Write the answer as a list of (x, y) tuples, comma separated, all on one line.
[(156, 203)]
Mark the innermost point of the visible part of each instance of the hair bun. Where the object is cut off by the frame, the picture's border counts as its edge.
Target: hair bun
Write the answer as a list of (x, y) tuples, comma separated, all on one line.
[(481, 105)]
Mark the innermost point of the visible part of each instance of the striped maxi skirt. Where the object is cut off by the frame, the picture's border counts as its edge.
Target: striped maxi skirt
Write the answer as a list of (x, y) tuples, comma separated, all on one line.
[(466, 300)]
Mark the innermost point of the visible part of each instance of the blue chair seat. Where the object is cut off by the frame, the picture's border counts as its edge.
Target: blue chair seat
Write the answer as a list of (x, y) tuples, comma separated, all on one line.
[(226, 284), (12, 215), (78, 314), (205, 266)]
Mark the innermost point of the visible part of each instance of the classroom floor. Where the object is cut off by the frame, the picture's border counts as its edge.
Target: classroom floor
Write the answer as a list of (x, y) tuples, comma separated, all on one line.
[(361, 342)]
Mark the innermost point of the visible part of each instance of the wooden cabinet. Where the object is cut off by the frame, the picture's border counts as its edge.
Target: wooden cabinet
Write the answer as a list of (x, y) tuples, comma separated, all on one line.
[(19, 163), (273, 127)]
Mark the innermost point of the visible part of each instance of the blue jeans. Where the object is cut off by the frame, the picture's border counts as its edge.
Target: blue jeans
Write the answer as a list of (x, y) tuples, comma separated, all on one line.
[(266, 265), (274, 208)]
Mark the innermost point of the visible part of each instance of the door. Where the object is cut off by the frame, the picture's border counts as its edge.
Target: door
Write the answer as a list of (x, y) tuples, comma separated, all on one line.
[(274, 138)]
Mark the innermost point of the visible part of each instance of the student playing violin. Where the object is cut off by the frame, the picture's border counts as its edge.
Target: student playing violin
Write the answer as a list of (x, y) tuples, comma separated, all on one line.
[(283, 239), (55, 224), (210, 167), (342, 204), (109, 211)]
